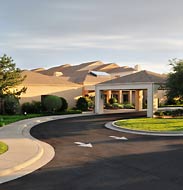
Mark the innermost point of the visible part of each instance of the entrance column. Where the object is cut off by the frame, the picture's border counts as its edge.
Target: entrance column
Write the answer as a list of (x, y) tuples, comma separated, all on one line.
[(120, 96), (130, 96), (108, 96), (138, 100), (152, 100), (99, 101), (155, 99)]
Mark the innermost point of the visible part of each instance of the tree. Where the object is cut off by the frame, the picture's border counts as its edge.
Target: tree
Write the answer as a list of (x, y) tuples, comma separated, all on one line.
[(10, 77), (174, 82)]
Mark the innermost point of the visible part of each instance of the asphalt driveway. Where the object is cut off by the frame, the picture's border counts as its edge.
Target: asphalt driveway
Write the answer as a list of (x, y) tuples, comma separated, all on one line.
[(139, 163)]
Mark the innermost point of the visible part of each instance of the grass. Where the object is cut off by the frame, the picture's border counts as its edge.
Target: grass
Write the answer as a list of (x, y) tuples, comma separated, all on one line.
[(3, 147), (7, 119), (152, 124)]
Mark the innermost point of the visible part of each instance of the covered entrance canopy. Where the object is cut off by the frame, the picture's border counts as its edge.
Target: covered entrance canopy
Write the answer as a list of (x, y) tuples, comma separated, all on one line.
[(138, 82)]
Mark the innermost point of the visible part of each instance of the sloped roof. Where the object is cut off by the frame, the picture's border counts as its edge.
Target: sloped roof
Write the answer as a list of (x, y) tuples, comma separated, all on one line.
[(121, 69), (141, 76), (106, 67), (83, 77), (38, 69), (91, 79), (34, 78), (80, 73), (89, 65), (78, 76), (68, 69), (52, 70)]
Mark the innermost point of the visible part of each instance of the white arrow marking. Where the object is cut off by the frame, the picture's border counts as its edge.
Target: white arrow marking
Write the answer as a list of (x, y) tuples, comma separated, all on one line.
[(119, 138), (89, 145)]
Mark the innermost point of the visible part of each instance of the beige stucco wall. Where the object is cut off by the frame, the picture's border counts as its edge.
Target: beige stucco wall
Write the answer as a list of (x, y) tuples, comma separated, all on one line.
[(34, 92)]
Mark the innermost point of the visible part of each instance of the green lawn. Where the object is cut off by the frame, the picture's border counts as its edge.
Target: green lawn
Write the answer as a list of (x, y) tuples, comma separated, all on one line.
[(3, 147), (7, 119), (152, 124)]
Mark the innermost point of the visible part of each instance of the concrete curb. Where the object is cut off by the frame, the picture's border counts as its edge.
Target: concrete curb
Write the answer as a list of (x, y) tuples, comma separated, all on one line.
[(25, 154), (112, 126)]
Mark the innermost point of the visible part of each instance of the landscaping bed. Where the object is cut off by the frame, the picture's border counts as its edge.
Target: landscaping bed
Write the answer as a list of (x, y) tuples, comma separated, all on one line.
[(152, 124), (169, 113)]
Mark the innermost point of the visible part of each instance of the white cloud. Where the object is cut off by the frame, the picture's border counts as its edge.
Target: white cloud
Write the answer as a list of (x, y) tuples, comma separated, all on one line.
[(89, 41)]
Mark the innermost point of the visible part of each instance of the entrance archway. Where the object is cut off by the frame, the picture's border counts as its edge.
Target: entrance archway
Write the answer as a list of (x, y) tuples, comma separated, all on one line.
[(152, 101)]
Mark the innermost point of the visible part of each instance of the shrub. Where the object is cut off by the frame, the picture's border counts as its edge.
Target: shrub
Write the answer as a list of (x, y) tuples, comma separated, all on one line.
[(108, 106), (178, 112), (37, 106), (52, 103), (120, 106), (90, 101), (115, 105), (113, 100), (168, 112), (128, 106), (156, 113), (159, 113), (26, 107), (82, 104), (174, 113), (64, 104), (32, 107), (11, 104)]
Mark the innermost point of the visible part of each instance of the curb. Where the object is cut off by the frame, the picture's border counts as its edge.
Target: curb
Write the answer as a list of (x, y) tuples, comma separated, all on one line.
[(112, 126)]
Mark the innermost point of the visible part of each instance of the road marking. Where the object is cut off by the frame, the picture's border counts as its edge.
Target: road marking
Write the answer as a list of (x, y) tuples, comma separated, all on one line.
[(88, 145), (119, 138)]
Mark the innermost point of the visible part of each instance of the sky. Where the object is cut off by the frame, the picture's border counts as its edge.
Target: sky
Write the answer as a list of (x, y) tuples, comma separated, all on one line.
[(47, 33)]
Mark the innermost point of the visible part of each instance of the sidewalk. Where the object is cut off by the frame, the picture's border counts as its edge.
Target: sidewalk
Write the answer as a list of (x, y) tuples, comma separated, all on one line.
[(25, 153)]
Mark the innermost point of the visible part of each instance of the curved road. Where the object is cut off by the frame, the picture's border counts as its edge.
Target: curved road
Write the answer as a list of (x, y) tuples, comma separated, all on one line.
[(140, 163)]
